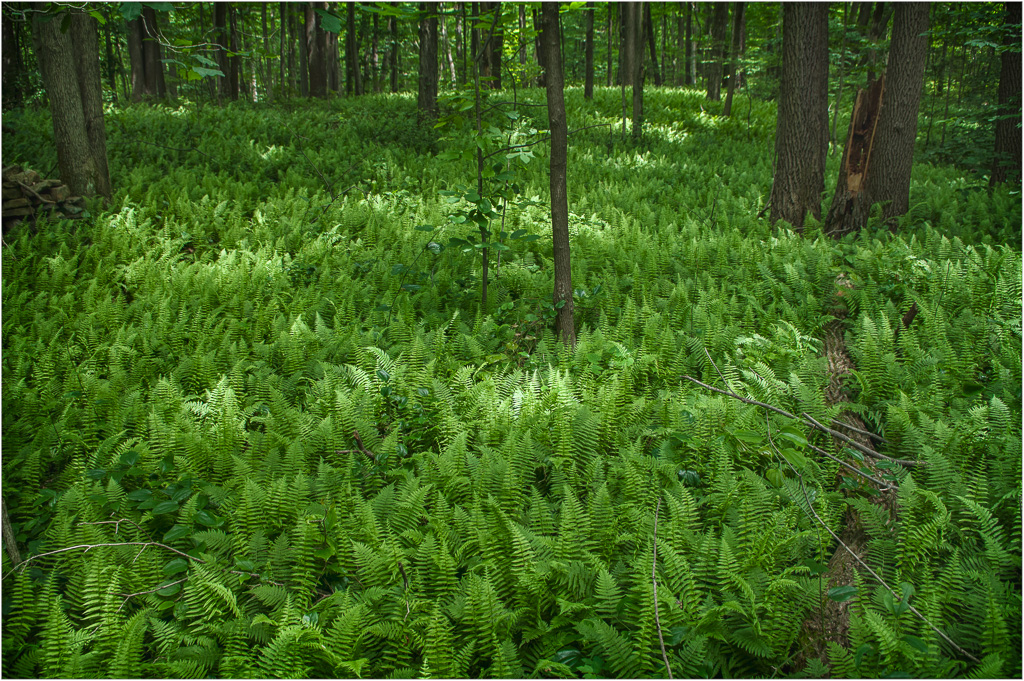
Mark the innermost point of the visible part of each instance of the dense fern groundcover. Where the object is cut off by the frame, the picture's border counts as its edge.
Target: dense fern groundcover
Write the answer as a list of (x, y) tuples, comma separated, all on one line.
[(261, 396)]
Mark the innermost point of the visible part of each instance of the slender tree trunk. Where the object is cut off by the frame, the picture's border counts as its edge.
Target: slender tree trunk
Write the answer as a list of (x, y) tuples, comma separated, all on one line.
[(137, 65), (316, 49), (565, 327), (393, 51), (427, 99), (649, 35), (945, 112), (351, 51), (588, 83), (801, 132), (690, 66), (719, 30), (611, 50), (447, 50), (1007, 163), (635, 38), (737, 38), (522, 31), (111, 72), (153, 55)]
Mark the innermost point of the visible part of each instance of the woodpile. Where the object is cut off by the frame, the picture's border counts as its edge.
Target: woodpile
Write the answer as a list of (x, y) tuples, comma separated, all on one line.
[(27, 196)]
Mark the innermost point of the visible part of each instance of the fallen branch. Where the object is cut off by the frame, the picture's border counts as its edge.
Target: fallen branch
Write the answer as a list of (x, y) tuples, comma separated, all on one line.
[(654, 581), (857, 558), (809, 420), (87, 547), (149, 591), (867, 433)]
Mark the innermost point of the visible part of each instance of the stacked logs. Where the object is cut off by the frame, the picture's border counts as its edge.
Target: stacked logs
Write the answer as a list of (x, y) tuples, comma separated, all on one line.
[(27, 196)]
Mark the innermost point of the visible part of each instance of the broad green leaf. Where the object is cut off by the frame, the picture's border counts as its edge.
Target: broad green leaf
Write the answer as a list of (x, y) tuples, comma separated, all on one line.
[(841, 594), (174, 566), (165, 507), (176, 532)]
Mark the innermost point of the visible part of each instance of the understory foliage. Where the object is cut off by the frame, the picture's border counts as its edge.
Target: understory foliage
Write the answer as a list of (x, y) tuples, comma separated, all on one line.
[(363, 473)]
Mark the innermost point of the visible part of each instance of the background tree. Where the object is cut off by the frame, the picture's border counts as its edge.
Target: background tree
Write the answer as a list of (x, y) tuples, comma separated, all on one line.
[(635, 29), (427, 94), (59, 58), (649, 37), (719, 36), (316, 50), (588, 87), (146, 57), (565, 327), (732, 72), (801, 131), (1007, 162), (228, 85)]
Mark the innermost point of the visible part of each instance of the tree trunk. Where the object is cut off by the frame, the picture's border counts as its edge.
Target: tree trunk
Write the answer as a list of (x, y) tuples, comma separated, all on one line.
[(78, 168), (268, 86), (588, 83), (690, 67), (85, 47), (493, 45), (447, 50), (629, 46), (635, 37), (889, 179), (351, 51), (393, 51), (719, 30), (737, 39), (611, 50), (1007, 163), (842, 73), (12, 68), (136, 62), (111, 70), (152, 55), (316, 51), (649, 32), (565, 327), (879, 27), (876, 167), (427, 95), (284, 50), (801, 131)]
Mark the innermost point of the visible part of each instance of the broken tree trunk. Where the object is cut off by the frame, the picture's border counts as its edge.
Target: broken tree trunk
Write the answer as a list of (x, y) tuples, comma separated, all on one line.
[(851, 203)]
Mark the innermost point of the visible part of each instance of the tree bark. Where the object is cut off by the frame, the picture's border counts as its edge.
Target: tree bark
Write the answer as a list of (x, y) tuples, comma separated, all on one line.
[(490, 63), (228, 65), (449, 60), (1007, 163), (630, 47), (737, 39), (719, 30), (427, 94), (85, 46), (588, 83), (879, 154), (801, 131), (636, 22), (649, 33), (393, 50), (316, 51), (136, 63), (889, 179), (351, 51), (78, 167), (565, 327), (152, 55), (690, 66)]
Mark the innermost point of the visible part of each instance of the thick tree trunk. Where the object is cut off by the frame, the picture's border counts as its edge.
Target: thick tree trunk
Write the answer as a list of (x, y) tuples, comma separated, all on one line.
[(316, 51), (889, 179), (630, 47), (588, 83), (565, 327), (719, 34), (427, 94), (801, 132), (152, 54), (136, 62), (85, 49), (737, 39), (78, 168), (649, 37), (1007, 164)]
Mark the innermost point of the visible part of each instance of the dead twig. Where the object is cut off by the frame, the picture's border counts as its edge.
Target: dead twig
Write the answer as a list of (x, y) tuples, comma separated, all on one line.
[(87, 547), (149, 591), (867, 433), (809, 420)]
